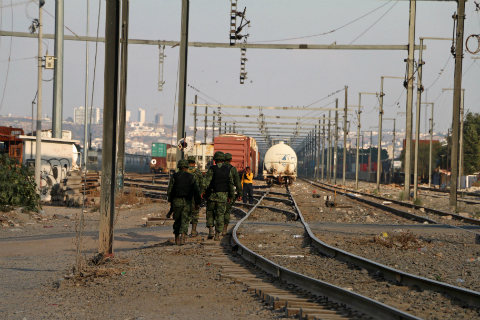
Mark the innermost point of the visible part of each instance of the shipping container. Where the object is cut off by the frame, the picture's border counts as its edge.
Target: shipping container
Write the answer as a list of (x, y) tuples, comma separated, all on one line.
[(159, 149), (244, 151), (10, 143), (158, 165)]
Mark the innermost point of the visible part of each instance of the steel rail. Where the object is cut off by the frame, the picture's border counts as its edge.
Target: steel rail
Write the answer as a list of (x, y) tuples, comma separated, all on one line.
[(405, 204), (469, 296), (336, 294)]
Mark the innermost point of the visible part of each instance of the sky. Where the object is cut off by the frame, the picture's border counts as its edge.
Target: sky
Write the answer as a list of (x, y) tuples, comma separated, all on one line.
[(275, 77)]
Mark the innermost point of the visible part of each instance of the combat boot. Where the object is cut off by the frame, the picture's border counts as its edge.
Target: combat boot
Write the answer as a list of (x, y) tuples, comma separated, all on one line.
[(217, 236), (225, 229), (194, 230), (177, 239), (211, 232), (183, 238)]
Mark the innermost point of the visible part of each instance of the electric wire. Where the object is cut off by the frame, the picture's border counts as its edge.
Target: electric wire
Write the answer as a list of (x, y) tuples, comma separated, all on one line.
[(18, 59), (76, 35), (325, 33), (443, 69), (8, 66), (375, 22)]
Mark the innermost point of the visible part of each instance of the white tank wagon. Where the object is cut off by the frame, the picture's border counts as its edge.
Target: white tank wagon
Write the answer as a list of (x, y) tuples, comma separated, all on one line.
[(280, 164)]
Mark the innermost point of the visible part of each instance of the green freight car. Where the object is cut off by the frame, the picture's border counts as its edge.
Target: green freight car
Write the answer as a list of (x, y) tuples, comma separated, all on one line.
[(158, 163)]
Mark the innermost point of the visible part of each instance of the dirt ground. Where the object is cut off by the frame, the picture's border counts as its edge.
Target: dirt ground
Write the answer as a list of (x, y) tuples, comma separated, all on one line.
[(152, 279)]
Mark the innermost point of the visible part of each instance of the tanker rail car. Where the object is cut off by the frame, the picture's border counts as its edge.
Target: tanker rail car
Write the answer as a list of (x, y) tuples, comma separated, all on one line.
[(280, 164)]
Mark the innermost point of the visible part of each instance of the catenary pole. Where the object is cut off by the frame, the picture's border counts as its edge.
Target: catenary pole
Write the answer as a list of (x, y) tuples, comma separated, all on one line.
[(110, 116), (85, 136), (335, 146), (329, 151), (38, 141), (122, 113), (460, 156), (195, 123), (417, 121), (380, 122), (57, 112), (318, 152), (205, 133), (182, 92), (410, 63), (431, 144), (357, 169), (457, 100), (323, 150), (345, 135)]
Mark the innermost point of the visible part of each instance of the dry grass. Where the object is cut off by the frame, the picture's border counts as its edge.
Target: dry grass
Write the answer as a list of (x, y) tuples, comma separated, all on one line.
[(403, 241), (132, 197), (100, 268)]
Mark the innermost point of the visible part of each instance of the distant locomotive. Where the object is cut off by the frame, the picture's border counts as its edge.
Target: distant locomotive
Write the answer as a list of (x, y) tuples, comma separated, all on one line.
[(280, 164)]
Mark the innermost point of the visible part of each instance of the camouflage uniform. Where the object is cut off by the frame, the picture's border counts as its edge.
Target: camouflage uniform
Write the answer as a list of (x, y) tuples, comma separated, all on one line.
[(217, 201), (238, 187), (199, 179), (182, 206)]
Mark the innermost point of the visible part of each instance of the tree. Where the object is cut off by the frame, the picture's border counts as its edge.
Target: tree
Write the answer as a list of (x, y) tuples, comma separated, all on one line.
[(423, 157), (471, 143), (471, 149), (69, 119)]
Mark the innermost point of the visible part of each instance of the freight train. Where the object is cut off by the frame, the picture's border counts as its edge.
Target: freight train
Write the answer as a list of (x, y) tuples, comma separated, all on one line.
[(244, 151), (134, 163), (280, 164)]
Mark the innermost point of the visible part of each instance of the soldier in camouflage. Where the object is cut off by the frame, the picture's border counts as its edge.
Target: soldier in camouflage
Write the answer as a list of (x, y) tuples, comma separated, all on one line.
[(197, 174), (219, 182), (238, 187), (182, 188)]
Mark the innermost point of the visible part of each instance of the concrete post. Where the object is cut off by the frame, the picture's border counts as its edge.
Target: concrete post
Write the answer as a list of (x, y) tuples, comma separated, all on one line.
[(182, 92), (380, 122), (57, 112), (417, 123), (38, 141)]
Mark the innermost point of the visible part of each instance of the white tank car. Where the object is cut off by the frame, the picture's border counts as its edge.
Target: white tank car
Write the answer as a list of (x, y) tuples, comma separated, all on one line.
[(280, 164)]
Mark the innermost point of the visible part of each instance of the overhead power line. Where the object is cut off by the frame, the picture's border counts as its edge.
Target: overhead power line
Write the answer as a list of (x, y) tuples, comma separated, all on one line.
[(332, 31)]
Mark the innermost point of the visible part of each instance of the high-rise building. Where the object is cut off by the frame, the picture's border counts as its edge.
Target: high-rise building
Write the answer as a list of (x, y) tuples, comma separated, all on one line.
[(127, 116), (141, 115), (79, 115), (159, 119)]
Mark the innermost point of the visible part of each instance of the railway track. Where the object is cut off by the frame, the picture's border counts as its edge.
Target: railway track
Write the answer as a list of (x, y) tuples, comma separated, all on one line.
[(340, 295), (378, 202)]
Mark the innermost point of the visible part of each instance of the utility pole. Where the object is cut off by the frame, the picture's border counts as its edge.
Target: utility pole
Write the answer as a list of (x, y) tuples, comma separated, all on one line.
[(110, 115), (335, 152), (38, 141), (409, 80), (459, 37), (57, 112), (195, 123), (213, 127), (85, 136), (380, 122), (122, 114), (345, 135), (323, 150), (182, 92)]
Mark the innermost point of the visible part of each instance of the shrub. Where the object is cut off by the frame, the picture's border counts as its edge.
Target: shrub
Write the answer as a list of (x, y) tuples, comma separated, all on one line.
[(401, 196), (17, 186)]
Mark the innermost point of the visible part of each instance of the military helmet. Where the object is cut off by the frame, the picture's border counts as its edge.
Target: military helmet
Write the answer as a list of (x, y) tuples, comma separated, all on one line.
[(182, 164), (192, 159), (228, 157), (219, 156)]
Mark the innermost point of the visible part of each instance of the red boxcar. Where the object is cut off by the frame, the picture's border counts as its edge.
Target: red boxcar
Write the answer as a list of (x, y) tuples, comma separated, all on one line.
[(244, 151), (10, 143), (158, 165)]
